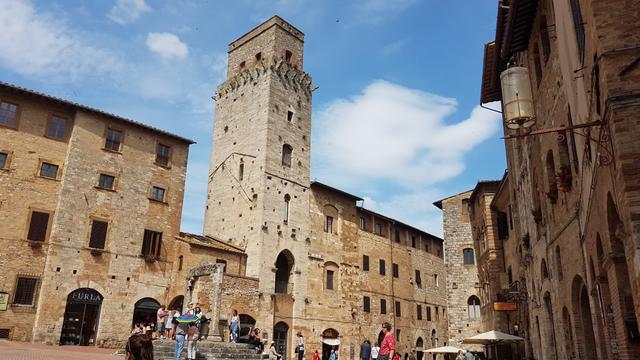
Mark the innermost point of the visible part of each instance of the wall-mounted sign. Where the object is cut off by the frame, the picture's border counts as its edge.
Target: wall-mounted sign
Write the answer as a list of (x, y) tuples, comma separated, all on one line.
[(505, 306), (4, 301), (85, 296)]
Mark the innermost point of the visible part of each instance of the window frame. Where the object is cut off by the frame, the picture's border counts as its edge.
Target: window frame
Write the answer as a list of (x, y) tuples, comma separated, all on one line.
[(36, 289), (41, 163), (154, 242), (18, 113), (328, 225), (465, 251), (115, 181), (383, 306), (287, 156), (382, 267), (329, 279), (418, 279), (7, 162), (164, 193), (365, 263), (395, 270), (90, 234), (366, 304), (106, 139), (67, 128), (418, 311), (28, 225), (169, 156), (362, 225), (398, 309)]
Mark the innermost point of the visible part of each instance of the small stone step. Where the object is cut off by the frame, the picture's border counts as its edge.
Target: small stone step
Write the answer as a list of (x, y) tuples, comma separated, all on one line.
[(208, 350)]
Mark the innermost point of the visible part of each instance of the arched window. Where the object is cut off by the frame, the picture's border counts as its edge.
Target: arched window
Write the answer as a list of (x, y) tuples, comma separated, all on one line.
[(552, 193), (559, 263), (284, 264), (286, 155), (543, 269), (468, 256), (473, 304), (285, 215)]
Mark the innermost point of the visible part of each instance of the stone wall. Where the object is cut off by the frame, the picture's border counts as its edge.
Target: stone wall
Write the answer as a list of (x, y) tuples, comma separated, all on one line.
[(462, 279)]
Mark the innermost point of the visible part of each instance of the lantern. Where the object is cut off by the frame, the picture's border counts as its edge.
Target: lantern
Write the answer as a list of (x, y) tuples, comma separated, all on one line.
[(516, 98)]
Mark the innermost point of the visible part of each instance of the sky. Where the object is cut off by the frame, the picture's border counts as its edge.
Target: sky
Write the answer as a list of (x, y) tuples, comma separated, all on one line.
[(396, 117)]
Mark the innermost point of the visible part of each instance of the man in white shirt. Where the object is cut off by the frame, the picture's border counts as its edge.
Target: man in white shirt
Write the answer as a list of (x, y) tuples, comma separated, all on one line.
[(375, 350)]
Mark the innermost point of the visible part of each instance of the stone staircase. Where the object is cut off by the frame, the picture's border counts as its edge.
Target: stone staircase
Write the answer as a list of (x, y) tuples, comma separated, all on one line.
[(207, 350)]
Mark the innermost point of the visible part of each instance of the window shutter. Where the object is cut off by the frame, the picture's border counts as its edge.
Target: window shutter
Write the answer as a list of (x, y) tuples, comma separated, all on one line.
[(38, 226), (98, 234)]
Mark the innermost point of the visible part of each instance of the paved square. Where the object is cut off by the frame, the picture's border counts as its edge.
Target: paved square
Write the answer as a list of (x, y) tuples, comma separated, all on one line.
[(13, 350)]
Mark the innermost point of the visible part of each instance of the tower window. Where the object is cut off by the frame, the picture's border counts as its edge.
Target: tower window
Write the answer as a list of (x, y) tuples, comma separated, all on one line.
[(286, 155), (289, 115), (287, 199), (259, 56), (287, 56), (329, 225)]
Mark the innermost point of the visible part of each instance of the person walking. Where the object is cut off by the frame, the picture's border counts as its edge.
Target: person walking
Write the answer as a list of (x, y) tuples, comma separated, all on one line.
[(192, 340), (333, 355), (139, 347), (300, 346), (181, 333), (388, 345), (316, 356), (460, 355), (235, 326), (168, 326), (161, 315), (468, 355), (365, 350), (375, 350), (273, 354)]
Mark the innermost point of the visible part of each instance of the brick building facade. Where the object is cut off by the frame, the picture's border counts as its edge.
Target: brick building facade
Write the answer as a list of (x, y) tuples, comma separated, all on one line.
[(327, 267), (573, 178), (90, 204), (463, 301)]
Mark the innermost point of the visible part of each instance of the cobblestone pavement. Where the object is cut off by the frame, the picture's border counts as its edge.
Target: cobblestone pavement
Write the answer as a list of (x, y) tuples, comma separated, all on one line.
[(13, 350)]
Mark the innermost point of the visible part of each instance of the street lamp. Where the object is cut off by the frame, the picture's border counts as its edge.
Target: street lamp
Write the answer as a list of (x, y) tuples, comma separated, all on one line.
[(516, 98)]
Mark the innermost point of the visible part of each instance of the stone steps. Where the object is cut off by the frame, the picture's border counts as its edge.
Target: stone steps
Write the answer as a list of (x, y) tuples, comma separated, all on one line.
[(207, 350)]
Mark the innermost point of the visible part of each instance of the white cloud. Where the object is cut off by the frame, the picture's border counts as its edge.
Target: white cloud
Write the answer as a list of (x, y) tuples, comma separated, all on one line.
[(36, 43), (127, 11), (167, 45), (394, 134)]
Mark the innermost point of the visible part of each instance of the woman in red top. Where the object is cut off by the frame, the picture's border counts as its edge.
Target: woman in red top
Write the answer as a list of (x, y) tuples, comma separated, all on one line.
[(388, 345), (316, 356)]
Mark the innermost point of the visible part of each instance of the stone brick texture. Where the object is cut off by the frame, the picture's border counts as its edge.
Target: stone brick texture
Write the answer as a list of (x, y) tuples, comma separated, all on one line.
[(462, 279), (585, 300), (64, 262)]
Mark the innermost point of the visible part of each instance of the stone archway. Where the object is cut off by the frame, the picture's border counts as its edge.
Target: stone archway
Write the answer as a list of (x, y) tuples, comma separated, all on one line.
[(280, 337), (284, 265), (419, 348), (583, 322)]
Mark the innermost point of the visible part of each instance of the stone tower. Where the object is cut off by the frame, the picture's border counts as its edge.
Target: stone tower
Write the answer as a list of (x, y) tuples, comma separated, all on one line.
[(258, 190), (462, 270)]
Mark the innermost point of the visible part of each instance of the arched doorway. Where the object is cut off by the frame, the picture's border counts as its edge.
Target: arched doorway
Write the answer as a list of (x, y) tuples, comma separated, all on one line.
[(145, 311), (419, 348), (81, 315), (177, 303), (583, 323), (280, 336), (247, 322), (284, 264), (550, 326), (329, 341)]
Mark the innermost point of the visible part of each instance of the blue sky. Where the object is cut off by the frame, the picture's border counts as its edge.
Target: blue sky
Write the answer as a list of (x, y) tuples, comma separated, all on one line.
[(395, 117)]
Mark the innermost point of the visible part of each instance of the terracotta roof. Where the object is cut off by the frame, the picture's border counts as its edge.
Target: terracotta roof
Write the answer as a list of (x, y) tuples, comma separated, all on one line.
[(210, 242), (400, 222), (331, 188), (25, 91)]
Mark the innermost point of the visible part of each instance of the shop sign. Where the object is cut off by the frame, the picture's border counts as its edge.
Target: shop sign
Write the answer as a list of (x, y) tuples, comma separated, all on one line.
[(505, 306), (86, 296), (4, 301)]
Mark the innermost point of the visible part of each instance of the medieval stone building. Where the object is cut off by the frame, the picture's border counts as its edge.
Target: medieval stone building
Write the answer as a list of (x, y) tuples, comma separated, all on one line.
[(90, 203), (95, 245), (572, 184), (463, 302), (322, 265)]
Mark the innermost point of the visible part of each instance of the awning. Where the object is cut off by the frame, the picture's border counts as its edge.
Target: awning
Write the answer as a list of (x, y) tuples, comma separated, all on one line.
[(492, 337), (444, 350), (331, 341)]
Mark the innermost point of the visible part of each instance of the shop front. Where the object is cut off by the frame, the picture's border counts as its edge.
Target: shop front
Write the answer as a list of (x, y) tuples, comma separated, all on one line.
[(81, 316)]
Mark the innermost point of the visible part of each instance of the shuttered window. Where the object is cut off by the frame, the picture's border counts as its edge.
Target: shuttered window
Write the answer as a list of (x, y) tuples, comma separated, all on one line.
[(25, 291), (419, 312), (383, 306), (114, 139), (98, 234), (57, 127), (38, 226), (162, 154), (366, 304), (8, 114), (365, 262), (152, 243)]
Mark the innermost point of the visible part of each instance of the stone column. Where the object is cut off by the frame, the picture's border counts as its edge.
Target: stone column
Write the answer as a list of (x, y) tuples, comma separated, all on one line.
[(214, 299)]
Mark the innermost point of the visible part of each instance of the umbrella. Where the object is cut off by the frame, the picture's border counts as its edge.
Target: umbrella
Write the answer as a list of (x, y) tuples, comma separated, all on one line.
[(188, 318), (444, 350), (492, 337)]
